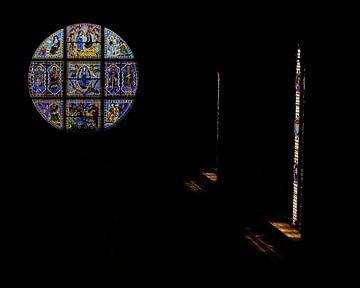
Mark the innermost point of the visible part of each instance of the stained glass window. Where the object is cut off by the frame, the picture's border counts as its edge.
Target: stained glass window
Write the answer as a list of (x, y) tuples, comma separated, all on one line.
[(83, 78), (298, 141)]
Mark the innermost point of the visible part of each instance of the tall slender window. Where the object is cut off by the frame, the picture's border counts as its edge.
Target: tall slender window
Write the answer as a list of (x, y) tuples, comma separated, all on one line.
[(298, 141)]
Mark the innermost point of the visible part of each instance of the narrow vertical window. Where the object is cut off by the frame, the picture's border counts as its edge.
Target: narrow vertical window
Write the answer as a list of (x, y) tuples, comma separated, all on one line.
[(298, 141)]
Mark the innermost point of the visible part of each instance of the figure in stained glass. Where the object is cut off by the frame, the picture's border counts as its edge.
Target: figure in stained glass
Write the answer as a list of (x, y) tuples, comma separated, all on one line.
[(51, 48), (115, 110), (83, 79), (55, 71), (129, 81), (296, 171), (112, 78), (51, 110), (45, 79), (116, 47), (39, 83), (296, 125)]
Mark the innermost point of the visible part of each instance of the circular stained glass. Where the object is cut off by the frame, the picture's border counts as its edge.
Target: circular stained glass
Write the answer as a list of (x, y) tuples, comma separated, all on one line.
[(83, 78)]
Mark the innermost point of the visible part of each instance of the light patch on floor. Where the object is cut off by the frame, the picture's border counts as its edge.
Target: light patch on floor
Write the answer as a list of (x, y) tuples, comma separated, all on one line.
[(193, 186), (212, 176), (287, 229)]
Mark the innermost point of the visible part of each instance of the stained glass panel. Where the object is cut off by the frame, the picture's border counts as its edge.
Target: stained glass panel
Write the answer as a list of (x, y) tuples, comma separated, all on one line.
[(51, 111), (55, 78), (115, 110), (37, 79), (52, 47), (112, 78), (46, 78), (83, 115), (129, 79), (83, 79), (83, 41), (116, 47)]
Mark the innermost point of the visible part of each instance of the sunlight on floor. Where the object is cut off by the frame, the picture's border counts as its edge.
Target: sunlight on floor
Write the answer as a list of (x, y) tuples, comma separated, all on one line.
[(287, 229), (210, 175)]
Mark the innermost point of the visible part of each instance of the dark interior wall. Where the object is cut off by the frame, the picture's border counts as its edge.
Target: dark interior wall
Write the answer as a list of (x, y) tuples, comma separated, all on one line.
[(259, 105), (165, 133), (171, 128), (176, 68), (275, 136)]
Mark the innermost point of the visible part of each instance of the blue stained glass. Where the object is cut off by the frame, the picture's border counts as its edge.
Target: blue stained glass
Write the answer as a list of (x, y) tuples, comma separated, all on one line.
[(91, 94)]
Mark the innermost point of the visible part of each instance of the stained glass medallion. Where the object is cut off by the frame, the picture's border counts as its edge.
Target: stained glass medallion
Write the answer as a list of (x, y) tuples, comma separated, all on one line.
[(83, 78)]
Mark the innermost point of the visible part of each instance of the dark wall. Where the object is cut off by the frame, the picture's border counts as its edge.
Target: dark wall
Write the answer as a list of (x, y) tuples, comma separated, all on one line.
[(177, 67), (171, 128), (259, 106)]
